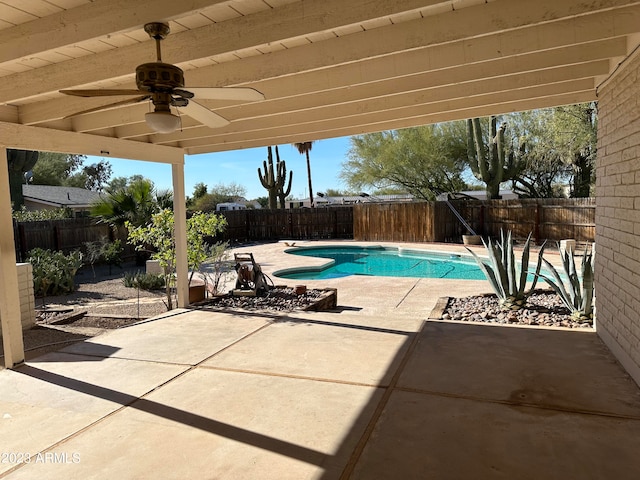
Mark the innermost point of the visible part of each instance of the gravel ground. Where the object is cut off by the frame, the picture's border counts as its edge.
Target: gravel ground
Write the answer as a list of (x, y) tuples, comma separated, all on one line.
[(542, 309), (280, 299), (102, 302), (103, 297), (105, 293)]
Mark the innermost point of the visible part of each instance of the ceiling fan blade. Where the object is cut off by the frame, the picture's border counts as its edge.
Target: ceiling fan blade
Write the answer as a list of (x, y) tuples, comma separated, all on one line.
[(100, 92), (110, 105), (204, 115), (226, 93)]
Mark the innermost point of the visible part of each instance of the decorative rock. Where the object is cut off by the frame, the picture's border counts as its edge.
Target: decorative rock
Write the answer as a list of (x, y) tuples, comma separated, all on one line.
[(543, 308)]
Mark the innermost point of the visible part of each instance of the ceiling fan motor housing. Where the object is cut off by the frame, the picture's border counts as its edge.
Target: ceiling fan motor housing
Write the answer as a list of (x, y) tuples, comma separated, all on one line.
[(159, 77)]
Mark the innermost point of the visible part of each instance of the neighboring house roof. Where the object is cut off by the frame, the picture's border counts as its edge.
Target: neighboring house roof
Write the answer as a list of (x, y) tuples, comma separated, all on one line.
[(479, 195), (350, 199), (56, 196)]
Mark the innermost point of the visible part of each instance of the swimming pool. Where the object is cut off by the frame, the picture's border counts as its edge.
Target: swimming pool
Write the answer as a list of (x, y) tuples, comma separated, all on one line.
[(382, 261)]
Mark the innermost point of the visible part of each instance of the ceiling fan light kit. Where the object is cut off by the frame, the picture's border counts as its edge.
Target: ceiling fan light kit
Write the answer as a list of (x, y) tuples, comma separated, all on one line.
[(162, 121), (163, 84)]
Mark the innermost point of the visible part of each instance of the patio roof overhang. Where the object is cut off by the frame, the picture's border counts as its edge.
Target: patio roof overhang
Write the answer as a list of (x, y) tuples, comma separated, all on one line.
[(328, 68)]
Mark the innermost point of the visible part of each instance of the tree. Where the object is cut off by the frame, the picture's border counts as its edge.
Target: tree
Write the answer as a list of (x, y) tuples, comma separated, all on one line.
[(19, 162), (542, 171), (334, 192), (69, 170), (159, 234), (263, 201), (304, 148), (135, 203), (423, 161), (220, 193), (556, 147), (490, 159), (54, 168), (574, 131), (92, 177), (199, 190)]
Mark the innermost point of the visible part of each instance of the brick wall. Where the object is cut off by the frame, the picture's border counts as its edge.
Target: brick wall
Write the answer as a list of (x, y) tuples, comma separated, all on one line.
[(618, 216), (27, 299)]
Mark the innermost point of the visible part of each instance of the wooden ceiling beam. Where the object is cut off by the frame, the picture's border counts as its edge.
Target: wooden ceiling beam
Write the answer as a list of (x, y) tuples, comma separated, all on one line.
[(289, 21), (335, 102), (315, 132), (555, 50), (437, 97), (414, 106), (50, 140), (88, 21)]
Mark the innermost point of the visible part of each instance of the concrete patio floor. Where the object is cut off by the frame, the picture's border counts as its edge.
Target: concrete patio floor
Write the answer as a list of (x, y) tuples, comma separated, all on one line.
[(371, 390)]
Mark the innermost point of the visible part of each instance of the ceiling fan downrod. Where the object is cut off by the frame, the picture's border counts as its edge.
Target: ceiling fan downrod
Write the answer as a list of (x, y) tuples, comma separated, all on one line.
[(158, 31)]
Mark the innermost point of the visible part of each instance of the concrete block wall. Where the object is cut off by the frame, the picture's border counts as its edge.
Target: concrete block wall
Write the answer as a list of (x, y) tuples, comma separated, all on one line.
[(27, 298), (618, 215)]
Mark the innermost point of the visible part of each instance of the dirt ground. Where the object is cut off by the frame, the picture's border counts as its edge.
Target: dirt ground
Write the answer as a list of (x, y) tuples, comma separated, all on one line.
[(101, 302)]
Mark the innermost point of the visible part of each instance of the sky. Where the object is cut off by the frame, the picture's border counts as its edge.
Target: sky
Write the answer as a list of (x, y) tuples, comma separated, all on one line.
[(241, 167)]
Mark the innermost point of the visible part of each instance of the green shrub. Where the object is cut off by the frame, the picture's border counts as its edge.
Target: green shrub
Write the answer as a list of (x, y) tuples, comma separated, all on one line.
[(24, 215), (144, 281), (104, 251), (54, 272)]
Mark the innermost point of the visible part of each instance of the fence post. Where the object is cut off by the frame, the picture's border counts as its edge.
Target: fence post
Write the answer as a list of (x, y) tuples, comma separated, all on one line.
[(16, 238), (56, 237), (536, 227)]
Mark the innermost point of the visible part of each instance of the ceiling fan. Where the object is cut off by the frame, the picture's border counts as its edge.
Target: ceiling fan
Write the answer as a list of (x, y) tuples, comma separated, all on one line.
[(163, 84)]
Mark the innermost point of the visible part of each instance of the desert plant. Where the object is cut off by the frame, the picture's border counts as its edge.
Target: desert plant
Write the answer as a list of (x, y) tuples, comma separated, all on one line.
[(144, 281), (159, 235), (508, 279), (221, 266), (105, 251), (19, 162), (274, 180), (54, 272), (490, 162), (578, 294)]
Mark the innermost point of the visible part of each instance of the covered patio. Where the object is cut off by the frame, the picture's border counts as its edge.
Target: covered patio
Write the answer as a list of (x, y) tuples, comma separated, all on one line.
[(370, 390), (326, 69)]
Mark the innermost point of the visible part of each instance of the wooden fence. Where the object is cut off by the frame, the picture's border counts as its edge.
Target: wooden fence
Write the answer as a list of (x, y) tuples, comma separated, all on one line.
[(65, 235), (399, 222), (546, 219), (295, 224)]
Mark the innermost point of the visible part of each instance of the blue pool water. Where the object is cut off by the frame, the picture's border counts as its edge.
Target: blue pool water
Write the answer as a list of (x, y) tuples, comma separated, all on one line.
[(384, 262)]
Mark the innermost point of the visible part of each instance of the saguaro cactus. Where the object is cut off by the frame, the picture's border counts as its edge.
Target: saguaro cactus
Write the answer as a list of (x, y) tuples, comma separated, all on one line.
[(274, 179), (19, 162), (281, 179), (490, 163), (268, 180)]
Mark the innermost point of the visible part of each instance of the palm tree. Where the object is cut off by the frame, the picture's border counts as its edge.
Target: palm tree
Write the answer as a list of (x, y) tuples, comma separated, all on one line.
[(135, 202), (305, 148)]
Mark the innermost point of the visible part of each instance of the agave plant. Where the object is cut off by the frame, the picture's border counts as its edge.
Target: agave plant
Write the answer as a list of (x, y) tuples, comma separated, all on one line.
[(507, 277), (578, 294)]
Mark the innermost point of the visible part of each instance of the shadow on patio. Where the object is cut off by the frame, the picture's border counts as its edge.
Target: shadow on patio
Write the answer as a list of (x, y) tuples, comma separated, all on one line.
[(310, 396)]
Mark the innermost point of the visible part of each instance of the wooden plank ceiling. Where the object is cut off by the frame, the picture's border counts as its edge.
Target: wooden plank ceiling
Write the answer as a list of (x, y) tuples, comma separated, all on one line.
[(328, 68)]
